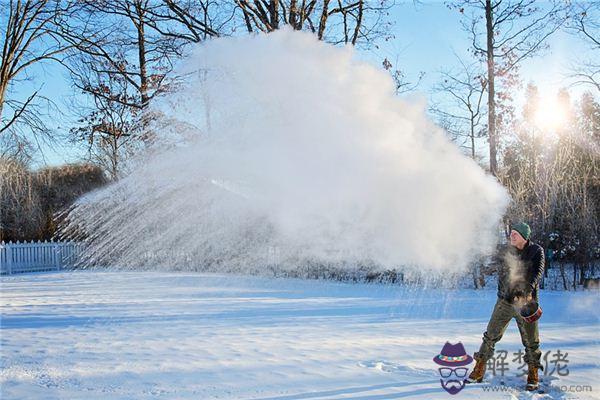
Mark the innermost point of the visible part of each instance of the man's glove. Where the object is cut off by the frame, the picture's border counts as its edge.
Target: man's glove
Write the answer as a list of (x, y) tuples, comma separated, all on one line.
[(521, 290), (517, 292)]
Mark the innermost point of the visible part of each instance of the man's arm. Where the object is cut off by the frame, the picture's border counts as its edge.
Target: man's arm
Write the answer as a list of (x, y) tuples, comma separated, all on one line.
[(539, 263), (496, 261)]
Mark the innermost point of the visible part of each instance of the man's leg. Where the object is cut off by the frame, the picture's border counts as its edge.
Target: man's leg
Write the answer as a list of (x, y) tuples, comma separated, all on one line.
[(530, 338), (531, 341), (501, 316)]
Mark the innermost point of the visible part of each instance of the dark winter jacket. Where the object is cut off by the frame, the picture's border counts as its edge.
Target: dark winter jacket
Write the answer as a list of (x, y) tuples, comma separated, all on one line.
[(528, 269)]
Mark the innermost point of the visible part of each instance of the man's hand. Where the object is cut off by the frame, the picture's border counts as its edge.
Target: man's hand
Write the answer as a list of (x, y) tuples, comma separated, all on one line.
[(523, 298), (521, 291)]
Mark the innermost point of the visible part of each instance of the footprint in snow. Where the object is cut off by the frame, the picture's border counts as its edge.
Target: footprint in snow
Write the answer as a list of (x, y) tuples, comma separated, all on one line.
[(391, 367)]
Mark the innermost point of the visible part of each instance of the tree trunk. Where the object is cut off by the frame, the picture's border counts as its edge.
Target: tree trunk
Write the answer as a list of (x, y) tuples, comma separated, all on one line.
[(564, 276), (115, 158), (358, 22), (142, 58), (274, 11), (2, 91), (294, 15), (481, 275), (582, 273), (491, 87), (472, 136), (323, 20)]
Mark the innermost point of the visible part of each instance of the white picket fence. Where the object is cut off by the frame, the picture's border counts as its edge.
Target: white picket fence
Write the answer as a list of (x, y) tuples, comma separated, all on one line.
[(37, 256)]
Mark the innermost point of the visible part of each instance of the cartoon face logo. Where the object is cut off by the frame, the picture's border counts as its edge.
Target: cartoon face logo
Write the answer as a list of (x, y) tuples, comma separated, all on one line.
[(452, 360)]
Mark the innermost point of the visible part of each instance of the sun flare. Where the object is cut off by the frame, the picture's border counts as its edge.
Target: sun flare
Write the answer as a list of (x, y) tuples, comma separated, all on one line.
[(550, 114)]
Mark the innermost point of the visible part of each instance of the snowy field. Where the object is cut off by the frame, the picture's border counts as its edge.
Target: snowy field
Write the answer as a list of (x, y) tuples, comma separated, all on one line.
[(145, 335)]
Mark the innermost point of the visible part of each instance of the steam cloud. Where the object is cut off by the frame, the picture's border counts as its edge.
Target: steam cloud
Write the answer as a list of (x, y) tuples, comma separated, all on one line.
[(285, 150), (516, 276)]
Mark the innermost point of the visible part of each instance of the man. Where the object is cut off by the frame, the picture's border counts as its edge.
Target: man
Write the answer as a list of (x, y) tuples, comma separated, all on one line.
[(519, 276)]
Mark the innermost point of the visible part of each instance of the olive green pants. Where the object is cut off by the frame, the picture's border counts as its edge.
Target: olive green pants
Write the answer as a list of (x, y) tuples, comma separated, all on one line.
[(501, 316)]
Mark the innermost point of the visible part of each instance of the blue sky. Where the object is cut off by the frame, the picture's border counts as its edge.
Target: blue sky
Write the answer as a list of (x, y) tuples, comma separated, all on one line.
[(427, 36)]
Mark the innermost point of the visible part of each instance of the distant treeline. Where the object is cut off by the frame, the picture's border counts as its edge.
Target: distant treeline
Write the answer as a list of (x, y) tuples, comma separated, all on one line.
[(29, 199)]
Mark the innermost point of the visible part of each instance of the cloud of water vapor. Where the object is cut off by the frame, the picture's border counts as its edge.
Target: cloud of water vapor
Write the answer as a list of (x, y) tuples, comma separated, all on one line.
[(284, 150)]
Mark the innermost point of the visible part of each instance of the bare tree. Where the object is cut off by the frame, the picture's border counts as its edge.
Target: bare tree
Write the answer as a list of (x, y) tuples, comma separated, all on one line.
[(114, 38), (402, 84), (460, 109), (585, 23), (28, 38), (122, 56), (341, 21), (503, 33), (192, 20), (108, 126)]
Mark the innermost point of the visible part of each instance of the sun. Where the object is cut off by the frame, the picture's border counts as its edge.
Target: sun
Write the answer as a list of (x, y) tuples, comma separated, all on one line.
[(550, 114)]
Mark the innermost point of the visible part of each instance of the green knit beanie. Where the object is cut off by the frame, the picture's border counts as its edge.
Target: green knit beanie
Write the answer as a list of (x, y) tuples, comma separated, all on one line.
[(523, 229)]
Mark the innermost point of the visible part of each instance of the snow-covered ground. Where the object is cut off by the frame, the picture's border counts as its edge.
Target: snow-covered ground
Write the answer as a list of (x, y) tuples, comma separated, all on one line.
[(144, 335)]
